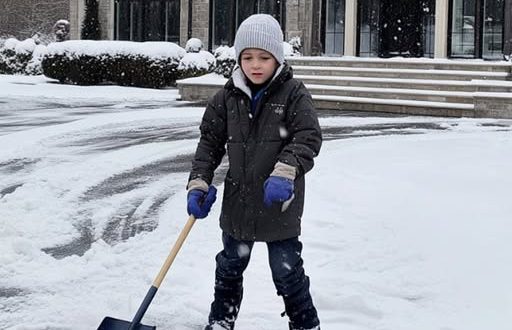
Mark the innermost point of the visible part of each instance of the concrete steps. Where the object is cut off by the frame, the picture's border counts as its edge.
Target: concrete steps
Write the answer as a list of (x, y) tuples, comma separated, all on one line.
[(413, 107), (431, 74), (392, 93), (408, 86), (401, 63)]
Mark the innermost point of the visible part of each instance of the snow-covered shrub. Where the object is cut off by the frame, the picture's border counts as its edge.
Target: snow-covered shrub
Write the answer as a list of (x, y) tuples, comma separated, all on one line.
[(292, 47), (34, 65), (226, 60), (16, 55), (86, 62), (196, 64), (194, 45)]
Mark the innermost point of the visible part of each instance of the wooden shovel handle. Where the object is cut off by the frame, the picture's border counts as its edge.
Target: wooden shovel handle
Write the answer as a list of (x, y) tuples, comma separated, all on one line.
[(174, 251)]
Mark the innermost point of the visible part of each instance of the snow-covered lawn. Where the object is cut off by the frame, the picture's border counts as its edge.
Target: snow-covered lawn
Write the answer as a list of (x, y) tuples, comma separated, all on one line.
[(400, 231)]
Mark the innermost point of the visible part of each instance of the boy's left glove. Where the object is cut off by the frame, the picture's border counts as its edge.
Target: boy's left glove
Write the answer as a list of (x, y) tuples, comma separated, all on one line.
[(277, 189), (199, 202)]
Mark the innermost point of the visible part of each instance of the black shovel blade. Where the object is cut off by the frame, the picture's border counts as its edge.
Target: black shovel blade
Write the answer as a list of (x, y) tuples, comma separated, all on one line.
[(110, 323)]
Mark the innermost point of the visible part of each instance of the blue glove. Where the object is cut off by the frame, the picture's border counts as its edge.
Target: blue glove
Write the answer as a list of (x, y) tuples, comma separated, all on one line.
[(199, 203), (277, 189)]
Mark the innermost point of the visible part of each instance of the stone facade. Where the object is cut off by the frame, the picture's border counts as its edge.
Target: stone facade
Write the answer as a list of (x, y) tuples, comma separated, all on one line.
[(106, 19), (200, 20)]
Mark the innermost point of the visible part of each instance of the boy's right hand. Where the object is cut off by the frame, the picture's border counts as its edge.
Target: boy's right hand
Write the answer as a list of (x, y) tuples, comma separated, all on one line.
[(199, 203)]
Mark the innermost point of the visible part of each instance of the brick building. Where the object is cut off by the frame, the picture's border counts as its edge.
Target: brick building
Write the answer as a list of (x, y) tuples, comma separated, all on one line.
[(366, 28)]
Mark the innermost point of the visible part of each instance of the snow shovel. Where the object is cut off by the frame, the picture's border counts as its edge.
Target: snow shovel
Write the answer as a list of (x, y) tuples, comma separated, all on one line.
[(110, 323)]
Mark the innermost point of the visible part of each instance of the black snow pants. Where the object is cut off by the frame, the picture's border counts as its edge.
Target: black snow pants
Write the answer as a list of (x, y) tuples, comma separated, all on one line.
[(287, 273)]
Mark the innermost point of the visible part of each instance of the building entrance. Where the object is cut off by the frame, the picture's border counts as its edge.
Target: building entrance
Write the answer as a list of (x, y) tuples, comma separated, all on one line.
[(390, 28), (401, 28)]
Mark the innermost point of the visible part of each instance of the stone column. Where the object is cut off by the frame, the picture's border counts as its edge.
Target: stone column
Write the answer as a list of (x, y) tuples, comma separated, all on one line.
[(350, 28), (184, 22), (305, 24), (441, 31), (316, 44), (201, 21), (292, 20), (106, 19), (76, 14)]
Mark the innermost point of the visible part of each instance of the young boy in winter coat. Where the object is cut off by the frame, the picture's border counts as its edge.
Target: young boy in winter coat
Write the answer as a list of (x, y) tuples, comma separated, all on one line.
[(269, 125)]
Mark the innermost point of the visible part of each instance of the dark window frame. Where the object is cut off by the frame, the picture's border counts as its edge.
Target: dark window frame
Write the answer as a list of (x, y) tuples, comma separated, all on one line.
[(144, 14), (479, 27), (280, 16)]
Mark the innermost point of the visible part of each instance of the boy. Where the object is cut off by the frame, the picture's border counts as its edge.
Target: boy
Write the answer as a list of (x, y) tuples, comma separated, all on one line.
[(268, 122)]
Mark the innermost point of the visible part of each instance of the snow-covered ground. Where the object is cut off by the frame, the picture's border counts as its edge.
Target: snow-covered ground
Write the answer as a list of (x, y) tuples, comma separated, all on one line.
[(407, 222)]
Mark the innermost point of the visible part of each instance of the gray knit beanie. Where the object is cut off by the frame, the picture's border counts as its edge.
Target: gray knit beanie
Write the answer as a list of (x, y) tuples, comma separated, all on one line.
[(260, 31)]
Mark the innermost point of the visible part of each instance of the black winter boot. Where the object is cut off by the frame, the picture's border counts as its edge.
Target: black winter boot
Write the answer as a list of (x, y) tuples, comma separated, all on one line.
[(220, 325), (224, 309), (300, 309)]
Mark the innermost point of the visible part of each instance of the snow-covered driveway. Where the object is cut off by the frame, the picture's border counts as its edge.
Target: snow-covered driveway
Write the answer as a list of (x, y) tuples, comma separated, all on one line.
[(406, 225)]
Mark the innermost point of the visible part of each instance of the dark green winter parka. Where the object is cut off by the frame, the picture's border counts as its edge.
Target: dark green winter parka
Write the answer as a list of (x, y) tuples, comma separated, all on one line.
[(284, 129)]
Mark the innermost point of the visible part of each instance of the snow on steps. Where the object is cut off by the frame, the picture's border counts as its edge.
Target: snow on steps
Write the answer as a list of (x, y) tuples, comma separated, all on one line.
[(414, 107), (393, 93), (411, 86), (426, 84), (402, 63), (399, 73)]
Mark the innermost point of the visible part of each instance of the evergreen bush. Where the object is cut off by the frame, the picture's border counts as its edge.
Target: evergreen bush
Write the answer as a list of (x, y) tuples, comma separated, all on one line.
[(16, 57), (226, 60), (147, 64), (91, 23)]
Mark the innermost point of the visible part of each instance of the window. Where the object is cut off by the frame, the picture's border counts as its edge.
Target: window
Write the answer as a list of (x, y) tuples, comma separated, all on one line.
[(228, 14), (477, 28), (335, 27), (463, 28), (143, 20), (493, 29), (369, 16)]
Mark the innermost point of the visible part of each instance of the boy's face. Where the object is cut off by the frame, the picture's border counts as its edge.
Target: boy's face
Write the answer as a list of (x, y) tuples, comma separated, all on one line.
[(258, 65)]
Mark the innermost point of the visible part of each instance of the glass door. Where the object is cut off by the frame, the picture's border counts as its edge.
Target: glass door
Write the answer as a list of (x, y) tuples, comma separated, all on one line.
[(142, 20), (368, 28), (463, 28), (477, 28), (493, 29)]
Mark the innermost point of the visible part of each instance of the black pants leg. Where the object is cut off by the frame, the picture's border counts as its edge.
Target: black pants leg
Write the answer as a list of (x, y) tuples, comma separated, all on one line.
[(292, 283), (231, 263)]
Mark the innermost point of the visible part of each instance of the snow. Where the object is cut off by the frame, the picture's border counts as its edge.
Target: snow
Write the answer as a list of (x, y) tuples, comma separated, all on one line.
[(424, 60), (404, 91), (202, 60), (207, 79), (26, 46), (151, 49), (439, 82), (194, 45), (400, 232), (11, 43), (395, 70), (222, 53), (414, 103)]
